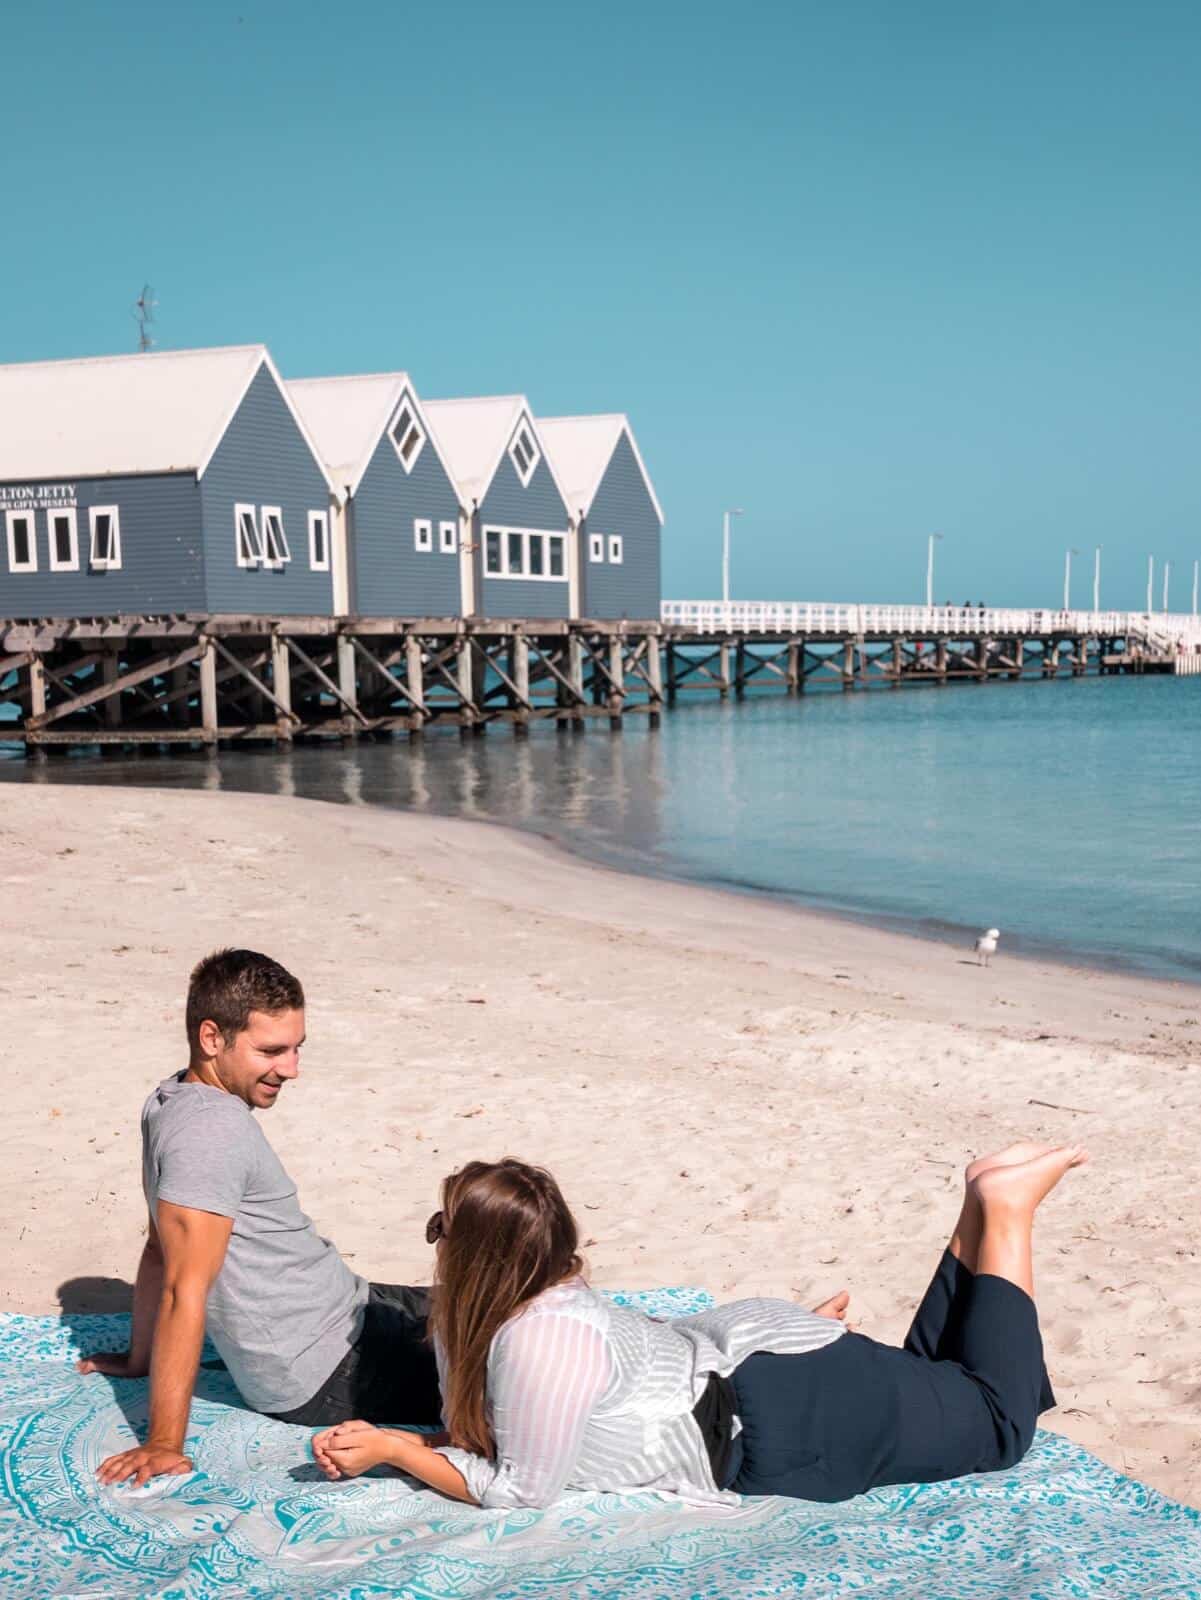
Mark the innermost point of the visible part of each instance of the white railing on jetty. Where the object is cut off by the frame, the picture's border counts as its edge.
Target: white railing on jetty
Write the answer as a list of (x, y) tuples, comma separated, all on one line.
[(1165, 630)]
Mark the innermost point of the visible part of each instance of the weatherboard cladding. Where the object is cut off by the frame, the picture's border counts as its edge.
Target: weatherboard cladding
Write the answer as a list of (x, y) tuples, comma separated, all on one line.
[(508, 505), (161, 568), (263, 459), (389, 576), (623, 506)]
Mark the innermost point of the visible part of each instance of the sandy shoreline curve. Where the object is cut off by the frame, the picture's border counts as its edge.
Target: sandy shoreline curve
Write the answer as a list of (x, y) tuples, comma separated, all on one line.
[(736, 1093)]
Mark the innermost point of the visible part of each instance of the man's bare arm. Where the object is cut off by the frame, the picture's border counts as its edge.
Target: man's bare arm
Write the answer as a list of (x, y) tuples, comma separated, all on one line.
[(147, 1292), (193, 1245)]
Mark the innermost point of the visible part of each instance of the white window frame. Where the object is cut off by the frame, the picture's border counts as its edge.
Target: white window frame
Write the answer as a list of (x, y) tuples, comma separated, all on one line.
[(17, 514), (423, 535), (525, 535), (318, 519), (255, 558), (283, 553), (406, 406), (616, 549), (111, 562), (500, 543), (448, 538), (596, 547), (71, 564), (524, 431)]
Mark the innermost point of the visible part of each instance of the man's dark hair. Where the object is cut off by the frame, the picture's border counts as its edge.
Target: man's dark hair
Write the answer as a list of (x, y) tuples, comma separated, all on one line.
[(228, 985)]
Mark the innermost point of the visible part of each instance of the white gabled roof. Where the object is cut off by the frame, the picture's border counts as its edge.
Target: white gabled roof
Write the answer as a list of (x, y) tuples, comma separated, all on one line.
[(105, 416), (474, 435), (347, 416), (581, 449)]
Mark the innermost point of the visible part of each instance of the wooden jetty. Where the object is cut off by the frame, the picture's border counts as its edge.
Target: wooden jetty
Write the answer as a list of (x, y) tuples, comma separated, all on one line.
[(233, 679)]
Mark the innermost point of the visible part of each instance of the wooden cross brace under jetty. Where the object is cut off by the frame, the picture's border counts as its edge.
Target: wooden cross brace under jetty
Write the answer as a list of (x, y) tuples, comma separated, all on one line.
[(214, 679)]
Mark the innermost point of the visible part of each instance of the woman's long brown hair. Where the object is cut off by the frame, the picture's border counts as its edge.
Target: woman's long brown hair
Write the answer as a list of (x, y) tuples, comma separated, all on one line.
[(507, 1236)]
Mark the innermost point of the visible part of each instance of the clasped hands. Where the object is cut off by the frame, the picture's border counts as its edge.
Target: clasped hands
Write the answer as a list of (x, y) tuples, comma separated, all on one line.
[(352, 1448)]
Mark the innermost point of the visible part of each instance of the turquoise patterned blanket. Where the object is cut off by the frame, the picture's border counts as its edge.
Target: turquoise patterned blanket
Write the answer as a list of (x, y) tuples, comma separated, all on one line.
[(256, 1519)]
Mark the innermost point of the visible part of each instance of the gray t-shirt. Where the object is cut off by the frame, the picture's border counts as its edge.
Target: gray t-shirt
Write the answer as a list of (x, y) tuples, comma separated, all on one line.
[(285, 1308)]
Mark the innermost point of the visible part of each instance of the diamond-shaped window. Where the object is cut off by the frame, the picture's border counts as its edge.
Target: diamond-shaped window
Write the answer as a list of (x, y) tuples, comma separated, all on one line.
[(407, 435), (523, 453)]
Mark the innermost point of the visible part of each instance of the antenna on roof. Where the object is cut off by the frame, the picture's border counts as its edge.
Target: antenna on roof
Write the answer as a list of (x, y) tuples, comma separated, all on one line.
[(143, 315)]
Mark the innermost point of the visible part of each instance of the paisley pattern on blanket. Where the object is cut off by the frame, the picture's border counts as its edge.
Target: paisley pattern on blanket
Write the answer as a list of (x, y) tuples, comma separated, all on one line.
[(257, 1520)]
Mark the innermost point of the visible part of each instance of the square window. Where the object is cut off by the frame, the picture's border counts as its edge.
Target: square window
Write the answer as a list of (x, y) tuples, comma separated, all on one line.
[(493, 565), (448, 538), (615, 549), (515, 554), (22, 542), (523, 453), (556, 542), (105, 522), (64, 541), (596, 547), (423, 534), (275, 544), (407, 435), (318, 541), (249, 546)]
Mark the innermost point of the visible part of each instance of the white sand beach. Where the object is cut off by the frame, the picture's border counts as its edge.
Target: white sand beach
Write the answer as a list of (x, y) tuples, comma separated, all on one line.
[(733, 1093)]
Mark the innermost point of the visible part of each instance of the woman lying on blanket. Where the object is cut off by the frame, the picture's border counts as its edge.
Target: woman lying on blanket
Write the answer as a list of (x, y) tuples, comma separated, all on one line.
[(549, 1387)]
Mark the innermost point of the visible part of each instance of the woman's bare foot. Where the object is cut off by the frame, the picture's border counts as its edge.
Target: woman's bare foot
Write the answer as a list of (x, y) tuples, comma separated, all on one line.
[(1019, 1186), (1009, 1157)]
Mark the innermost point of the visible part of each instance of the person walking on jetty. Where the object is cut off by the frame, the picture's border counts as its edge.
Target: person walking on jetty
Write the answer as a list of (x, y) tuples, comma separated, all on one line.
[(548, 1387), (304, 1337)]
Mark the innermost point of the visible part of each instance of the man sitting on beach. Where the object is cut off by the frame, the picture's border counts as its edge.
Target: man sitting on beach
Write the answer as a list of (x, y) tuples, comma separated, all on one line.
[(304, 1338)]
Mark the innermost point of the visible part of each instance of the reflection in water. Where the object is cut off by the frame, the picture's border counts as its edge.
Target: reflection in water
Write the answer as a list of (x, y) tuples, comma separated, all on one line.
[(1062, 813)]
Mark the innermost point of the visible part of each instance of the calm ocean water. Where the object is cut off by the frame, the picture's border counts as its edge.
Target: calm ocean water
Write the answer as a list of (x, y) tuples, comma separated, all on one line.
[(1067, 814)]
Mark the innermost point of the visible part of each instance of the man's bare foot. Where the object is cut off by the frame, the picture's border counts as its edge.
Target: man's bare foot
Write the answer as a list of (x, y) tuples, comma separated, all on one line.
[(1021, 1185), (1009, 1157)]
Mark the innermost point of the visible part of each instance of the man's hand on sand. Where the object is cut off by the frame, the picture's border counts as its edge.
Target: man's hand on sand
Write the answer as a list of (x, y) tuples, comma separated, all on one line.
[(145, 1462), (112, 1363)]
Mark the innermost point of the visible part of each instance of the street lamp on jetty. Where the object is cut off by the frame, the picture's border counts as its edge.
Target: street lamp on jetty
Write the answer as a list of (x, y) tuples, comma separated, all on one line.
[(1067, 578), (1150, 584), (1167, 573), (930, 543), (736, 511)]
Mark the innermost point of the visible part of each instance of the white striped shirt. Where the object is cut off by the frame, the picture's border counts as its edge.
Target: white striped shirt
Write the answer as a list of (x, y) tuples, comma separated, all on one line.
[(585, 1394)]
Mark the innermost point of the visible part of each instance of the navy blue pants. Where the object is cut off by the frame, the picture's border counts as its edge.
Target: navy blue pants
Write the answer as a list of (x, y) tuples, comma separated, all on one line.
[(963, 1395)]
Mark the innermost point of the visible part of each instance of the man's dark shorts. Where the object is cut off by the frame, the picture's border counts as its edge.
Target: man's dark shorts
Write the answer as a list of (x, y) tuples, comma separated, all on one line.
[(389, 1375)]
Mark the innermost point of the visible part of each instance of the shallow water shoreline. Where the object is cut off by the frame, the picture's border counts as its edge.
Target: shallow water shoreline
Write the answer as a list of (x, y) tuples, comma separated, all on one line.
[(234, 775)]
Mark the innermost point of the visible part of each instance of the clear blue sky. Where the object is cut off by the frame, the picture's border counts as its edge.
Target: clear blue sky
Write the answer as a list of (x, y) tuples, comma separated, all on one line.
[(865, 269)]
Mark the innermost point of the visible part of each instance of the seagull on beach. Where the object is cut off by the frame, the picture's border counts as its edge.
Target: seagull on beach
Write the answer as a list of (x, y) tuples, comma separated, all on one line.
[(986, 946)]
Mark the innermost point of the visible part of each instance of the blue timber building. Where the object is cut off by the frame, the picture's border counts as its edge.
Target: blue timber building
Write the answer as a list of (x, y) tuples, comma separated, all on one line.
[(616, 521), (399, 522), (179, 483), (516, 519)]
